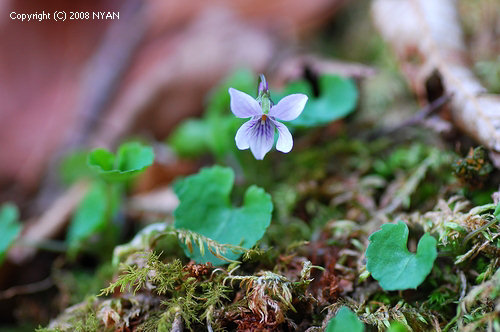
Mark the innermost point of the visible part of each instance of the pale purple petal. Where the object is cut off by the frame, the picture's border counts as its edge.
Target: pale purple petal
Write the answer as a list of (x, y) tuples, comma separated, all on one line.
[(243, 105), (262, 138), (289, 108), (244, 134), (285, 141)]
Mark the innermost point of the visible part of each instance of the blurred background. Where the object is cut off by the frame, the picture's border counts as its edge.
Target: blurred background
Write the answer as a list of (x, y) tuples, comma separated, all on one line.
[(91, 82)]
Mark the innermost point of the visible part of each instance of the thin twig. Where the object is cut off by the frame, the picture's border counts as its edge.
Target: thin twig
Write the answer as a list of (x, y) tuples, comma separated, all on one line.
[(51, 222), (27, 289), (48, 245), (463, 280), (418, 118)]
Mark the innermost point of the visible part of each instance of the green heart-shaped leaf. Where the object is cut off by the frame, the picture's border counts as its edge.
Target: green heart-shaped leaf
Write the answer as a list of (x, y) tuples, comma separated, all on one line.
[(390, 262), (205, 208)]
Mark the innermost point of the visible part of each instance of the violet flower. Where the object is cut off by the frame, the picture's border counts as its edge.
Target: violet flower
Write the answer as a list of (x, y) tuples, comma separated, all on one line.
[(258, 133)]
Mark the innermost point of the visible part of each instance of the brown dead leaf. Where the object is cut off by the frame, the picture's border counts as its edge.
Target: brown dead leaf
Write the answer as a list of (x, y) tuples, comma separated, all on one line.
[(285, 17), (185, 47), (40, 66), (427, 38)]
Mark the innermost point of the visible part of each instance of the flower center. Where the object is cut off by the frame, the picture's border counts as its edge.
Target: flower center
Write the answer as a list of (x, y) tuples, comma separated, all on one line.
[(263, 119)]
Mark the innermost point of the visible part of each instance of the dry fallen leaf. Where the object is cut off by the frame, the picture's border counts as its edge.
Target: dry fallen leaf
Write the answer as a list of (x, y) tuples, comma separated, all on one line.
[(427, 38), (58, 79)]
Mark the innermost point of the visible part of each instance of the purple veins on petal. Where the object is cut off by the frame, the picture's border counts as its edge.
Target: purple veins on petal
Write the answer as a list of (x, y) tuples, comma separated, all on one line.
[(243, 134), (261, 137), (289, 108), (256, 134)]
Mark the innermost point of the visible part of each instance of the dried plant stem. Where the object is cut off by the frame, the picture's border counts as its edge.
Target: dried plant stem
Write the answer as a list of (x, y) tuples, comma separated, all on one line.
[(27, 289)]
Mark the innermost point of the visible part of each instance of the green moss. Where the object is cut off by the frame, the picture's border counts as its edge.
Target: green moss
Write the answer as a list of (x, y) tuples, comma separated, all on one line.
[(89, 324), (164, 276)]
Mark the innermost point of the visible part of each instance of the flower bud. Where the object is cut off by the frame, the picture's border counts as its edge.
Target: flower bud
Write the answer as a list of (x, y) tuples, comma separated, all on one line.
[(263, 87)]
